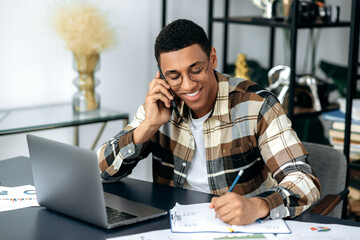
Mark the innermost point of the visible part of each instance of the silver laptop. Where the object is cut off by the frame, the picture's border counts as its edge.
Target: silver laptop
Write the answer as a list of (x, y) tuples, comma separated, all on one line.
[(67, 180)]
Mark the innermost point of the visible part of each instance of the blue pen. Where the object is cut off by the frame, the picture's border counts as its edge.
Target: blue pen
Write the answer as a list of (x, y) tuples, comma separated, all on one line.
[(236, 179), (235, 182)]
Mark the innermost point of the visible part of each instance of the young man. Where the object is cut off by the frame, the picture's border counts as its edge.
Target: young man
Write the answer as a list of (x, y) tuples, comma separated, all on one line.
[(225, 125)]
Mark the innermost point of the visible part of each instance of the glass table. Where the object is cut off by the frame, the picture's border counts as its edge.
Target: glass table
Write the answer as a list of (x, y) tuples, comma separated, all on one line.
[(22, 120)]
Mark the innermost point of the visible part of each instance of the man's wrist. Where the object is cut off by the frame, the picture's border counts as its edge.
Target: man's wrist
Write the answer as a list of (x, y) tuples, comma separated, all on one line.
[(144, 132), (262, 206)]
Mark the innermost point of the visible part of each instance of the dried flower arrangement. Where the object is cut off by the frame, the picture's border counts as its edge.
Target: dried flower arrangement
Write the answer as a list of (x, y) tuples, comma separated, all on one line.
[(83, 27), (86, 32)]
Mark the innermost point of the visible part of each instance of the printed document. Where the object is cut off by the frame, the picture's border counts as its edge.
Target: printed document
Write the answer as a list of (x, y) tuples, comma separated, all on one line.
[(168, 235), (17, 197), (318, 231), (200, 218)]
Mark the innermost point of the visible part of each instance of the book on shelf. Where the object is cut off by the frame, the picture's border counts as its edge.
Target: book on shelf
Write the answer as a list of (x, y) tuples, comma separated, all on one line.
[(338, 144), (341, 126), (340, 134), (355, 111), (337, 116), (339, 141)]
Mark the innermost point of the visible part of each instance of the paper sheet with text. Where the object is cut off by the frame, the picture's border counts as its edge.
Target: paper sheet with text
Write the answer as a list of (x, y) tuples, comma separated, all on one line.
[(17, 197), (200, 218), (318, 231)]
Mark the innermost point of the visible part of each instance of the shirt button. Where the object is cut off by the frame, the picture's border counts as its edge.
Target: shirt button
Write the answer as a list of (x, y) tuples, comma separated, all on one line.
[(277, 215), (184, 164), (129, 151)]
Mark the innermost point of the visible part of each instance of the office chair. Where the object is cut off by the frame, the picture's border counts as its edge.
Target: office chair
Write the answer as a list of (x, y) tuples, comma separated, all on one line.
[(330, 167)]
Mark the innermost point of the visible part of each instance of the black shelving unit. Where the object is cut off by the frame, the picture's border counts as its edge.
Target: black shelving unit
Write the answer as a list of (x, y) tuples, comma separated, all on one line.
[(294, 26), (351, 80), (163, 18)]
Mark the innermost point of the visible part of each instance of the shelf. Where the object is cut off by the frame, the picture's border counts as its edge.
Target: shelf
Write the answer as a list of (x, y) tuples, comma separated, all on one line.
[(57, 116), (260, 21), (294, 26), (317, 113)]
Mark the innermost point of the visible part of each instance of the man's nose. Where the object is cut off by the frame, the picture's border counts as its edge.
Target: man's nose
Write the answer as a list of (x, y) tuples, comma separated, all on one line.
[(187, 83)]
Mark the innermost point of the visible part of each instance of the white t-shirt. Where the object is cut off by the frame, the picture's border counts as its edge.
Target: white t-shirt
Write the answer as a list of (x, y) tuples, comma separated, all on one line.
[(197, 175)]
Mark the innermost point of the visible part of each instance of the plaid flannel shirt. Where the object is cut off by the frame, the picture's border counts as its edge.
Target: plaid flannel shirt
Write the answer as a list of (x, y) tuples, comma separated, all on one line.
[(248, 130)]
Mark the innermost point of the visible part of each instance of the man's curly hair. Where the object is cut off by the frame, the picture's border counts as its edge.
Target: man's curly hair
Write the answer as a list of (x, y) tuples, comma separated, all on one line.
[(180, 34)]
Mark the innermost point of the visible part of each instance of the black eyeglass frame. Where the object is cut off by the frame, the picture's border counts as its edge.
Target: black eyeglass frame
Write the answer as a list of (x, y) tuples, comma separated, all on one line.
[(182, 78)]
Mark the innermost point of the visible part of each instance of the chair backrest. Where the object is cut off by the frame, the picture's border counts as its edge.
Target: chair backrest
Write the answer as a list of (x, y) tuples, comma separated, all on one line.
[(329, 166)]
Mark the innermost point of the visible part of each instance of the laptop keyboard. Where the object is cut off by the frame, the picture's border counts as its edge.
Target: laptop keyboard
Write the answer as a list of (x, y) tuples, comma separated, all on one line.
[(115, 215)]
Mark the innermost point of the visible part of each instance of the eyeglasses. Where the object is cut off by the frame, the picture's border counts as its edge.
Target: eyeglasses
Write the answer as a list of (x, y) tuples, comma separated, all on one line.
[(195, 74)]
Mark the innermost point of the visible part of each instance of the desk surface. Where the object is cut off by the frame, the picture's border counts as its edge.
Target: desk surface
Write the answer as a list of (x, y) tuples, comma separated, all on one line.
[(39, 223), (22, 120)]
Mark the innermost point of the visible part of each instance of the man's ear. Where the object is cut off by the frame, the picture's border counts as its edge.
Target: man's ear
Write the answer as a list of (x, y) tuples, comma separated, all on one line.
[(213, 58)]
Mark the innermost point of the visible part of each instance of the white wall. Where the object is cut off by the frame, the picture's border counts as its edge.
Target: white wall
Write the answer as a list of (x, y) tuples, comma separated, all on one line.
[(36, 69)]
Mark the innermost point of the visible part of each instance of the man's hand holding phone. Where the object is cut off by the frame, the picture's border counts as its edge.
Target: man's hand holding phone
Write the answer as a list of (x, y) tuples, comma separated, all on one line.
[(157, 109)]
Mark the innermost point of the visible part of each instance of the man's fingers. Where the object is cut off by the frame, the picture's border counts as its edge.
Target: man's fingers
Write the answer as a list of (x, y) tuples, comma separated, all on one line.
[(217, 204), (223, 208), (158, 81), (212, 205), (159, 89), (215, 201), (159, 97), (227, 217), (222, 211), (222, 200), (228, 207), (158, 75)]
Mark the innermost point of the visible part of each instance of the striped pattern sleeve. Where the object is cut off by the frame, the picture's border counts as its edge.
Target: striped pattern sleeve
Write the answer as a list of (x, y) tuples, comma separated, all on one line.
[(285, 156), (120, 155)]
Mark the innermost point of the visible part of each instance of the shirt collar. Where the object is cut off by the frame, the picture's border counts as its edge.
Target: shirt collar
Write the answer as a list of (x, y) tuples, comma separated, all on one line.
[(221, 107)]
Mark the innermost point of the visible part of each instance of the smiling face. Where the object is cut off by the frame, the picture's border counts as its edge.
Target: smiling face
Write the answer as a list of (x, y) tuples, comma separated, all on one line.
[(199, 96)]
